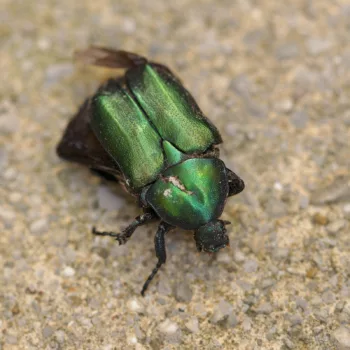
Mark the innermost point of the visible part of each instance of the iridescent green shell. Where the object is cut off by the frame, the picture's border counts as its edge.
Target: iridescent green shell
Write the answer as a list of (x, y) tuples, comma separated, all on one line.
[(126, 134), (154, 125), (172, 109), (190, 194)]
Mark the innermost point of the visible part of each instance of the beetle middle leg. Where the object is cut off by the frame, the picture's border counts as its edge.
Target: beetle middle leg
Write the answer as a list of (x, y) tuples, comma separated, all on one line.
[(159, 245), (124, 236)]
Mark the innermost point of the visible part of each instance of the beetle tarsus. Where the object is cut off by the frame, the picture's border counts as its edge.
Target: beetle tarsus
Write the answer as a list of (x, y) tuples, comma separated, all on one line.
[(120, 237), (150, 278), (123, 237), (159, 245)]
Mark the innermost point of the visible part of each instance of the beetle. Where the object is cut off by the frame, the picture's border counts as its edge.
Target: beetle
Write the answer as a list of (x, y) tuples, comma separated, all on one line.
[(145, 130)]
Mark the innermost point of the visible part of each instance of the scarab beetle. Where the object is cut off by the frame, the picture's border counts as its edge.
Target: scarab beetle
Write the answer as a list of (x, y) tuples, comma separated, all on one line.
[(146, 131)]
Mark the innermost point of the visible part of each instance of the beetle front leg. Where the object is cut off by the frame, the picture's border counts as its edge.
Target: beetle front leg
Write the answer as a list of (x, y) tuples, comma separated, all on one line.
[(159, 245), (124, 236)]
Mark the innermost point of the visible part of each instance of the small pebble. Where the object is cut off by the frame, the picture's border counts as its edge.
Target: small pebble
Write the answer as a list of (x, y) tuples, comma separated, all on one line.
[(268, 283), (132, 340), (278, 186), (241, 85), (289, 344), (335, 226), (128, 25), (139, 346), (246, 286), (47, 332), (328, 297), (304, 202), (336, 192), (135, 306), (192, 325), (109, 200), (171, 331), (10, 174), (68, 271), (224, 258), (275, 208), (342, 336), (11, 339), (221, 312), (232, 320), (320, 219), (15, 197), (284, 106), (183, 292), (3, 158), (295, 320), (256, 110), (247, 324), (318, 330), (239, 256), (253, 38), (43, 44), (265, 308), (56, 72), (164, 287), (302, 303), (138, 332), (7, 215), (60, 336), (9, 122), (286, 51), (39, 226), (271, 333), (215, 344), (346, 210), (339, 306), (322, 315), (250, 266), (108, 347), (317, 46), (200, 310), (168, 327), (299, 119)]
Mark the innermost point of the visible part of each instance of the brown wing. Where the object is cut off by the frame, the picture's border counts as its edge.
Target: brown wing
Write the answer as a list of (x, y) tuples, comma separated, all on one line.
[(80, 145), (100, 56)]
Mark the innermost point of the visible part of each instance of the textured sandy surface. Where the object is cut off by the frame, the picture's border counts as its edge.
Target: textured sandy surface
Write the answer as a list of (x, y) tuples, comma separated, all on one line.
[(274, 77)]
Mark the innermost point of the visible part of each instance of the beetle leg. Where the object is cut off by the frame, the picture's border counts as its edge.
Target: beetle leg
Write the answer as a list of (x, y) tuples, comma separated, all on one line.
[(124, 236), (235, 183), (159, 245)]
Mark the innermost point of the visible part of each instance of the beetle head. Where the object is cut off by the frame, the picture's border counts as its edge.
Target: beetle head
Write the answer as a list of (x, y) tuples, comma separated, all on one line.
[(212, 236)]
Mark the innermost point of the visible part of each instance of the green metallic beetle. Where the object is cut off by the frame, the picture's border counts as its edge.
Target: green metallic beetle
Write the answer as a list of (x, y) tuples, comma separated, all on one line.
[(145, 130)]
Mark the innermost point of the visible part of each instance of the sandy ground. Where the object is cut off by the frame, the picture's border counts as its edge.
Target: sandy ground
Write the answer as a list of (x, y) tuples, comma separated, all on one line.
[(274, 77)]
